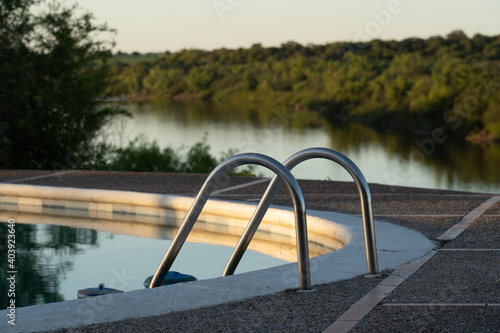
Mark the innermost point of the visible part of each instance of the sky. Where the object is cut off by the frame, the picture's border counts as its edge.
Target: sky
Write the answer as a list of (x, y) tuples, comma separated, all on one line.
[(171, 25)]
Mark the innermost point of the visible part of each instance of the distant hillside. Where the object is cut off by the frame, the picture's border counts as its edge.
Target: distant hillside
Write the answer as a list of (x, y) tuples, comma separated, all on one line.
[(451, 83)]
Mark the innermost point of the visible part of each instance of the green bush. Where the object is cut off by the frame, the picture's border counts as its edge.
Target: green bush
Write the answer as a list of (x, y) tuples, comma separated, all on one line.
[(199, 160), (143, 156)]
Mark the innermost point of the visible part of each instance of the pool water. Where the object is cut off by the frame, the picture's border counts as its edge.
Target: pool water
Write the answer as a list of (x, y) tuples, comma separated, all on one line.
[(53, 262)]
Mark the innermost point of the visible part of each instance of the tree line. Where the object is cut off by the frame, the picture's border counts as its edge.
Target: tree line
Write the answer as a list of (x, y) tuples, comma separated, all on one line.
[(416, 84)]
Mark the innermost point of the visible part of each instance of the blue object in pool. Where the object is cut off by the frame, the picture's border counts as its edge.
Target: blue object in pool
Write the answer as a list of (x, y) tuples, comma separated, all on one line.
[(172, 277), (101, 290)]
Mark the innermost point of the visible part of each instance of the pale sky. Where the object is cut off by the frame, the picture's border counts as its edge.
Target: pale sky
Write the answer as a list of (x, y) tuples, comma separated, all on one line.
[(171, 25)]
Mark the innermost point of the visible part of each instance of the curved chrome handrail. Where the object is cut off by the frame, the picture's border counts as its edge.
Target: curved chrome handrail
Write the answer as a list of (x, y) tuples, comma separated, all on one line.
[(283, 174), (272, 189)]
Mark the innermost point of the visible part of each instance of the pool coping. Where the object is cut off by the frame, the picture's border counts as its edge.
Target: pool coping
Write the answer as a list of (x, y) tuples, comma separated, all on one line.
[(162, 210), (148, 302)]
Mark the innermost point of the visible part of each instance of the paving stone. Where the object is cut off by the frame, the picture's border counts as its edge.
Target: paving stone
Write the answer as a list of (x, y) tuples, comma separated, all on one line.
[(494, 210), (483, 233), (453, 277), (430, 319)]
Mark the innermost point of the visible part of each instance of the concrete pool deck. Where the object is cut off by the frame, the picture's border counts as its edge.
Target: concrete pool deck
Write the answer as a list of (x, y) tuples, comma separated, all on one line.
[(454, 288)]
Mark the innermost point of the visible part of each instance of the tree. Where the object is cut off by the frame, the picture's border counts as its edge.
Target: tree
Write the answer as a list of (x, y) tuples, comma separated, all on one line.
[(53, 66), (164, 83), (200, 78)]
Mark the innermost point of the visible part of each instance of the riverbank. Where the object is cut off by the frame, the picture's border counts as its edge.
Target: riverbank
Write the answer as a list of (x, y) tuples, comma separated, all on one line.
[(448, 82)]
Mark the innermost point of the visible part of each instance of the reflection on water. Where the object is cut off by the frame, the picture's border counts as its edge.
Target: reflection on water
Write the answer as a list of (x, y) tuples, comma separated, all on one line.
[(53, 261), (452, 164), (384, 157), (44, 255)]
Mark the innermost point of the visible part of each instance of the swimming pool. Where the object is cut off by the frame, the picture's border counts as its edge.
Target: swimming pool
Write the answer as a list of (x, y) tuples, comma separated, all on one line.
[(55, 261), (70, 239)]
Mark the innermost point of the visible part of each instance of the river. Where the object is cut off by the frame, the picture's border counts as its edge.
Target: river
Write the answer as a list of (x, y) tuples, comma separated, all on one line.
[(384, 157)]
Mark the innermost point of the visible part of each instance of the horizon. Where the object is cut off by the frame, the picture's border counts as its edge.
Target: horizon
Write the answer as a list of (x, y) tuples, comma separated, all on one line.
[(155, 26), (304, 45)]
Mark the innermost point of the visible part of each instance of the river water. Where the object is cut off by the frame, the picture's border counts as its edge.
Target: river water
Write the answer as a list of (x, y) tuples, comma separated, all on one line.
[(384, 157)]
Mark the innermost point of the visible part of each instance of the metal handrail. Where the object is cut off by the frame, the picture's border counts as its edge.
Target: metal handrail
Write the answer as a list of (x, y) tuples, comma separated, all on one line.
[(272, 189), (283, 174)]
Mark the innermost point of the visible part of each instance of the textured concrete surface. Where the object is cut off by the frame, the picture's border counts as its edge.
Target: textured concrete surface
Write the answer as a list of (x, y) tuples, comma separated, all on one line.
[(454, 277), (431, 319), (484, 233)]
